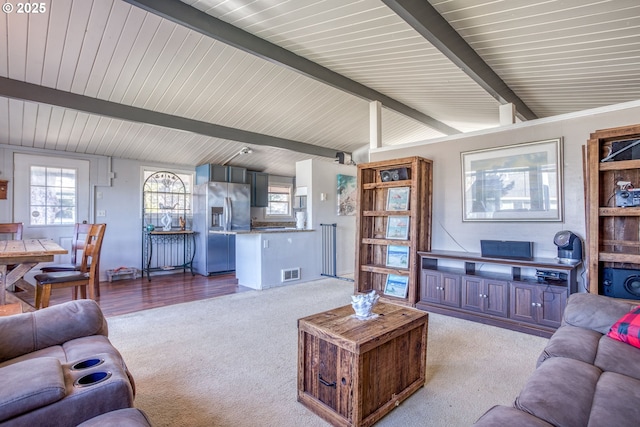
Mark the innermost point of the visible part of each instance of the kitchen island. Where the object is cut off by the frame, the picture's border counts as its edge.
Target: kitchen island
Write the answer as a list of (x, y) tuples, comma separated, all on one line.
[(267, 257)]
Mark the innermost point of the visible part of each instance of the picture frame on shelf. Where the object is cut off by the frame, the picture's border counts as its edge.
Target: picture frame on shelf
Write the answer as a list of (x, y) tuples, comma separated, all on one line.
[(398, 227), (396, 286), (398, 256), (398, 198)]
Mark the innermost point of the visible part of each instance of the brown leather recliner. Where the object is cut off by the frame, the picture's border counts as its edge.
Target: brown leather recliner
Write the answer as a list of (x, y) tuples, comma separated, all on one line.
[(58, 367)]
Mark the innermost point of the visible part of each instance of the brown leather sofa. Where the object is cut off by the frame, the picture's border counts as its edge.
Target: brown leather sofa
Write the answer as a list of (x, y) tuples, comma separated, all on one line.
[(128, 417), (58, 368), (583, 377)]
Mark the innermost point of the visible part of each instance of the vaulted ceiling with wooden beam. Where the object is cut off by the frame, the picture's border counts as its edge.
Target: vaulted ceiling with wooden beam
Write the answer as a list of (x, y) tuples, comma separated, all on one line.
[(193, 81)]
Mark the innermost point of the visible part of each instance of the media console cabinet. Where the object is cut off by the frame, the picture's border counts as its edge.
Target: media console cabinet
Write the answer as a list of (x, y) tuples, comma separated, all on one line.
[(502, 292)]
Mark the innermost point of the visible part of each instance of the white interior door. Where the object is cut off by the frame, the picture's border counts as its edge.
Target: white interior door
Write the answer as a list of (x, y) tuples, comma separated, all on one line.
[(58, 197)]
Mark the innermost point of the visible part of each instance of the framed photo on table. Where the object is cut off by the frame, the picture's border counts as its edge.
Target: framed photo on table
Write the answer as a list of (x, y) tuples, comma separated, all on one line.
[(398, 256), (398, 227), (398, 199), (396, 286)]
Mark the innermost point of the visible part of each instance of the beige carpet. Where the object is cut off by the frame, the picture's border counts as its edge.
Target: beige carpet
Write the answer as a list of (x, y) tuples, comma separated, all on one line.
[(231, 361)]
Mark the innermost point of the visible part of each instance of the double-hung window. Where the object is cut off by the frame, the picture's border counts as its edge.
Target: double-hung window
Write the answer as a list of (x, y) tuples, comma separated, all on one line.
[(279, 200)]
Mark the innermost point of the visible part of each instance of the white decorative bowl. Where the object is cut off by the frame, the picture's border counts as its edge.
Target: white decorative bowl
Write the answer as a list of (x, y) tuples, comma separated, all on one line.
[(363, 304)]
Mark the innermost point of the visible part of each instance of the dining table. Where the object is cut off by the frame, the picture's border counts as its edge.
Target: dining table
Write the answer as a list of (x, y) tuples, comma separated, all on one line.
[(22, 256)]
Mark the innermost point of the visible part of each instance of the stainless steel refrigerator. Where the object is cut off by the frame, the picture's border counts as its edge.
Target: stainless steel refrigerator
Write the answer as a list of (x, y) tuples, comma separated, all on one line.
[(219, 206)]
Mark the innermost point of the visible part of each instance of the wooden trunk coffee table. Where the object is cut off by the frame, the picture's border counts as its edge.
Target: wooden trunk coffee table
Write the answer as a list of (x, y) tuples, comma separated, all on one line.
[(352, 372)]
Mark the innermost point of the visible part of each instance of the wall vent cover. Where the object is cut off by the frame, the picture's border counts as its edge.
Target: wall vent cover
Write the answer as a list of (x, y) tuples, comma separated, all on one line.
[(290, 274)]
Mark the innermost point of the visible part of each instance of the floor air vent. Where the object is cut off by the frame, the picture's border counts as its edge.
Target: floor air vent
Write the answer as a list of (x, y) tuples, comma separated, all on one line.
[(290, 274)]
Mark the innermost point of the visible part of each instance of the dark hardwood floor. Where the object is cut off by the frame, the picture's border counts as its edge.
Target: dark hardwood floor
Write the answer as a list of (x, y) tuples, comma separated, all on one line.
[(131, 295)]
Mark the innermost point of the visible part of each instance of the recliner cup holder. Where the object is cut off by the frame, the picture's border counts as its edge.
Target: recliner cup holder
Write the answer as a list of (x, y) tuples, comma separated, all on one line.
[(88, 363), (92, 378)]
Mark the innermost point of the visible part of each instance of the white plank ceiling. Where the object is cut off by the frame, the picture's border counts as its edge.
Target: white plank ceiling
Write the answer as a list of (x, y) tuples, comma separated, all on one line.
[(556, 56)]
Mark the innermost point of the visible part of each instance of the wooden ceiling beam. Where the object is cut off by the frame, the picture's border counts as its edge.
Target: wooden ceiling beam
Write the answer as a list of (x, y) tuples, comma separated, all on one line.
[(196, 20), (30, 92), (426, 20)]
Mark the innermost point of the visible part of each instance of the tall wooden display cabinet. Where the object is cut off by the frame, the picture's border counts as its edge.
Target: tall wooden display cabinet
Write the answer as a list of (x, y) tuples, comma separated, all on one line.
[(613, 207), (393, 224)]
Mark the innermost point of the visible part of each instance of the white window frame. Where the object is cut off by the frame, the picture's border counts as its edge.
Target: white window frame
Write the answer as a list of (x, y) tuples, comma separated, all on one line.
[(267, 215), (22, 196), (60, 189)]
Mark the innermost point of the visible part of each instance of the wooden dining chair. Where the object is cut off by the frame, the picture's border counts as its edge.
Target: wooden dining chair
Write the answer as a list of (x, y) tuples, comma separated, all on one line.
[(12, 228), (82, 280), (80, 231)]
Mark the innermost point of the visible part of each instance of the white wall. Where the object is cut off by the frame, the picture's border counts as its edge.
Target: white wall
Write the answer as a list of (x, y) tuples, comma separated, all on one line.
[(320, 177), (451, 233), (122, 201), (120, 198)]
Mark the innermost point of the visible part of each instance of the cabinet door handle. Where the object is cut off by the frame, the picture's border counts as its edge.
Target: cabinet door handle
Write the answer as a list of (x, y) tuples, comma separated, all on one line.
[(325, 382)]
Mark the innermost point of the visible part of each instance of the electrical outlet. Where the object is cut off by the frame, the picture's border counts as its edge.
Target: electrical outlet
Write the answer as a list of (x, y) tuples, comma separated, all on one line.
[(101, 213)]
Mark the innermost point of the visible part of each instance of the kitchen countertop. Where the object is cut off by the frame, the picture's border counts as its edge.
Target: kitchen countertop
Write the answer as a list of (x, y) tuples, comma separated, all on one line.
[(262, 230)]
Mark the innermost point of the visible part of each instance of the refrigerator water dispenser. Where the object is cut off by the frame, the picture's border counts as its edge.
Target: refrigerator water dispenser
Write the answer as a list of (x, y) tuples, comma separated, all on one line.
[(216, 217)]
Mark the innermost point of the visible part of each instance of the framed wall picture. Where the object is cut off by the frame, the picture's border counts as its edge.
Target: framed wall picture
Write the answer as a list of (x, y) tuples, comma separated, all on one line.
[(398, 199), (346, 194), (398, 256), (398, 227), (520, 182), (396, 285)]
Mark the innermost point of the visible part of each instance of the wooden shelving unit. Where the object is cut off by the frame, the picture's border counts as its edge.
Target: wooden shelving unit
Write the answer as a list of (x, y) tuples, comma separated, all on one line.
[(372, 222), (613, 232), (508, 295)]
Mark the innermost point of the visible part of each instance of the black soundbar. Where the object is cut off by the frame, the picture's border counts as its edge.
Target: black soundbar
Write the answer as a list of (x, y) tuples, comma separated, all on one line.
[(506, 249)]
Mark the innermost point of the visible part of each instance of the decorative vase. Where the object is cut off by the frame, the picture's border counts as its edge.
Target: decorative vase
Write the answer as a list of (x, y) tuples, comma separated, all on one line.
[(363, 304), (166, 221)]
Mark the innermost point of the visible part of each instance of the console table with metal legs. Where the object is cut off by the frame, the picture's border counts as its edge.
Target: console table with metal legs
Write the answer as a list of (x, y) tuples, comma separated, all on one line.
[(168, 250)]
